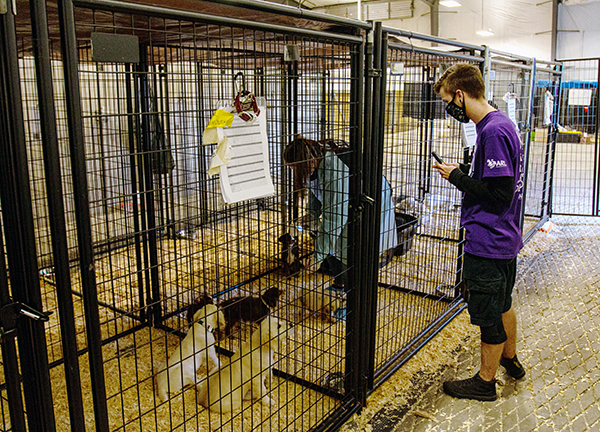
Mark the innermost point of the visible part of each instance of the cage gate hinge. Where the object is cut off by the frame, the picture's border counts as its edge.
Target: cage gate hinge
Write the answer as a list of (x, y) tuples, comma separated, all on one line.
[(376, 73), (12, 311)]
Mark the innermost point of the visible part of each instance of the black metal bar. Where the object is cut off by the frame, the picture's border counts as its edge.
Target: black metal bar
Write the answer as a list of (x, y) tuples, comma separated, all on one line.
[(575, 59), (334, 422), (104, 342), (17, 211), (529, 234), (435, 52), (357, 332), (165, 13), (132, 127), (56, 212), (281, 9), (147, 189), (416, 293), (552, 150), (10, 361), (509, 55), (393, 364), (511, 64), (380, 54), (82, 211), (549, 155), (354, 355), (429, 38), (527, 149)]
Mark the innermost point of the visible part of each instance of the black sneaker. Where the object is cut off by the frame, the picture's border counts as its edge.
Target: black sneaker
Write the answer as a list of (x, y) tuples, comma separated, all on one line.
[(513, 367), (472, 388)]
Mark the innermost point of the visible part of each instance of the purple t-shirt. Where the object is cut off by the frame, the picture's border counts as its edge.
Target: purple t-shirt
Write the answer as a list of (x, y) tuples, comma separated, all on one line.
[(493, 230)]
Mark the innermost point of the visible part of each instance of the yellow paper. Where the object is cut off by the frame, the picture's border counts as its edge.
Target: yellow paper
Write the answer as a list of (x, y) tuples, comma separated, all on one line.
[(220, 118), (220, 157)]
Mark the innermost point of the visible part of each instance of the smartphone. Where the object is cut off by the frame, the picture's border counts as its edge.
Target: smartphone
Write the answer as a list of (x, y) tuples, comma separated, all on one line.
[(437, 157)]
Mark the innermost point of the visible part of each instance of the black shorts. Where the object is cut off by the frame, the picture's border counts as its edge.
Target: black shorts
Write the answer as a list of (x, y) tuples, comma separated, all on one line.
[(490, 284)]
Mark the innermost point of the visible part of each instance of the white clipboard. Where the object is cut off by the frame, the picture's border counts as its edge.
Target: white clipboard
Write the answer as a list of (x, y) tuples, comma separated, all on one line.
[(247, 174)]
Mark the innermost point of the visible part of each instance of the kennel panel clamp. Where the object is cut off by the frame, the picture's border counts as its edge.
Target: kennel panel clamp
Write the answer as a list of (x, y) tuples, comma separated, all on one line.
[(148, 229), (418, 284)]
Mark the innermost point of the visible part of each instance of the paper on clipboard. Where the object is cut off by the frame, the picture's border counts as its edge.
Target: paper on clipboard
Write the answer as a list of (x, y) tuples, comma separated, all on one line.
[(247, 174), (511, 106), (468, 134)]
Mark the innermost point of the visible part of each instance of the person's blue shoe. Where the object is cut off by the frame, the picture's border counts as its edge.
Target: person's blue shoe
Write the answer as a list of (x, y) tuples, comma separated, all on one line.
[(339, 314), (335, 288)]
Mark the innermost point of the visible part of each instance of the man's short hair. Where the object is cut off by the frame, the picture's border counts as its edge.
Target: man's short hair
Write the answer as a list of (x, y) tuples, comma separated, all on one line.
[(462, 76)]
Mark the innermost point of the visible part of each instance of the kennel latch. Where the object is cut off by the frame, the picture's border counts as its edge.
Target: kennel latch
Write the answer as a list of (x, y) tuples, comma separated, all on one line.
[(362, 200), (12, 311)]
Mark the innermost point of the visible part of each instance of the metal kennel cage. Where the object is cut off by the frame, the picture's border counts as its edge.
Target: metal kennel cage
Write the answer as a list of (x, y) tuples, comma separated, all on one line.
[(575, 187), (418, 288), (126, 228), (514, 87), (540, 155), (113, 222)]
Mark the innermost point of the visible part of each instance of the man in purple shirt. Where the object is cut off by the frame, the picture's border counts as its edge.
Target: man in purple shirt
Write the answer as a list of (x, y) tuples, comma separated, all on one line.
[(492, 189)]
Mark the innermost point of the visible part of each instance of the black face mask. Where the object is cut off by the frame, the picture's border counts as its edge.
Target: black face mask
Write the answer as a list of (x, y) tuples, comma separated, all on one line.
[(459, 113)]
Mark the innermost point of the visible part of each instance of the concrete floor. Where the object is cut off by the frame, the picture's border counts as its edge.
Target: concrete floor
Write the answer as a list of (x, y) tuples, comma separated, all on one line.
[(557, 301)]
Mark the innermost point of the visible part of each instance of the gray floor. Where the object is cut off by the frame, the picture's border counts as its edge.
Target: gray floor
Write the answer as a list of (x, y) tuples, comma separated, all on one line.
[(557, 301)]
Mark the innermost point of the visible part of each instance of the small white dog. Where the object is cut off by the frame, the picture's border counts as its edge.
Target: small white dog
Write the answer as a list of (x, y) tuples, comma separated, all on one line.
[(196, 349), (245, 375)]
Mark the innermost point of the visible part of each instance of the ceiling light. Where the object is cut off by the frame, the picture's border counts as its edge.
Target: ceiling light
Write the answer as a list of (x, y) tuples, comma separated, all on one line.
[(484, 32), (450, 3)]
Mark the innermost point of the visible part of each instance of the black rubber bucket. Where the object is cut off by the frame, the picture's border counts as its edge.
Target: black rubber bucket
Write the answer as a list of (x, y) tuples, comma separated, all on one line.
[(406, 226)]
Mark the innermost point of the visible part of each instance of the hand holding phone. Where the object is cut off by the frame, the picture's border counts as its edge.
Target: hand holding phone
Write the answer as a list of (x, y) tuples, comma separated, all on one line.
[(437, 157)]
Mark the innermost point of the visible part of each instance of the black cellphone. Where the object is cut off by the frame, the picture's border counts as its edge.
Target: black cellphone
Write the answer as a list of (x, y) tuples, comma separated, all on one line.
[(437, 157)]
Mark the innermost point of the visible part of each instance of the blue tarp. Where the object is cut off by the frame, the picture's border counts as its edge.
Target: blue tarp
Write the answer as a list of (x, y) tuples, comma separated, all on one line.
[(569, 84)]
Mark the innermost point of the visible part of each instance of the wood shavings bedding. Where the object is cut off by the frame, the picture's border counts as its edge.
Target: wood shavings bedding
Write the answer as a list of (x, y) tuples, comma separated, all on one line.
[(189, 267)]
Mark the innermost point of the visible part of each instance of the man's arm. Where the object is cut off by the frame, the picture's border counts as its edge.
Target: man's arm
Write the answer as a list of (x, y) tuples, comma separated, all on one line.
[(494, 189)]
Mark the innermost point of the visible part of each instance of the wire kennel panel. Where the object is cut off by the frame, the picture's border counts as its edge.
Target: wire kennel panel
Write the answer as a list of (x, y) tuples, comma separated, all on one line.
[(511, 89), (540, 153), (418, 288), (575, 187), (161, 235)]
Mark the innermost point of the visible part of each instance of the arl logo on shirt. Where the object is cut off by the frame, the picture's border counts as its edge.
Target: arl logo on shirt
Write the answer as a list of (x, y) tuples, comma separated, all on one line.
[(496, 164)]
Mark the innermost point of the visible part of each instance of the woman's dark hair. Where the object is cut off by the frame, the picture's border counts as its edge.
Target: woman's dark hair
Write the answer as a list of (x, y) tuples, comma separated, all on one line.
[(301, 153)]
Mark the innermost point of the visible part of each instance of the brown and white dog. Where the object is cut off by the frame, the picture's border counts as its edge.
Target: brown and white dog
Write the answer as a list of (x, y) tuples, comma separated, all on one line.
[(245, 375), (199, 302), (249, 309), (197, 349)]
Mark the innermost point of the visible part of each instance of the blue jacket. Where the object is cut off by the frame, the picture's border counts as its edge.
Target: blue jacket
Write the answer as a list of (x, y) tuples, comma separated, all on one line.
[(328, 199)]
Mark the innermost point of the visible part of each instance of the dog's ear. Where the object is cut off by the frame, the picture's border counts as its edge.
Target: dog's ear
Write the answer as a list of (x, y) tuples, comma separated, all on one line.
[(271, 296)]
